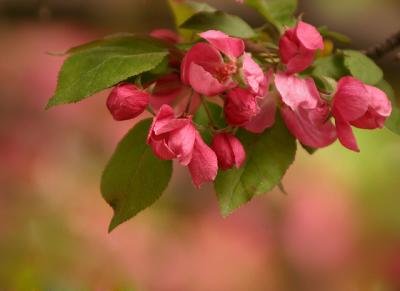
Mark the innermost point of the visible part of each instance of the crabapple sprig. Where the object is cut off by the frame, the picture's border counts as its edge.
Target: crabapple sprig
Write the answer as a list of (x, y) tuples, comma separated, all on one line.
[(251, 93)]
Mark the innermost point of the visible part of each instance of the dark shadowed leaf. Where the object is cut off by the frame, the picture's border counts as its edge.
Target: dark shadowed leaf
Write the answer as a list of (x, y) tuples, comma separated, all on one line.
[(134, 178), (330, 66), (269, 155)]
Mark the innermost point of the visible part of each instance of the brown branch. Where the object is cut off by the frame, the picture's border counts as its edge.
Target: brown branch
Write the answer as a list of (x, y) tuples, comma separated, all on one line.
[(381, 49)]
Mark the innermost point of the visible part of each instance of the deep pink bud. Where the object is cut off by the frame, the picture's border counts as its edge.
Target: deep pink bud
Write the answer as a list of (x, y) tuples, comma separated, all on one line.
[(126, 101), (229, 151), (240, 107), (298, 46)]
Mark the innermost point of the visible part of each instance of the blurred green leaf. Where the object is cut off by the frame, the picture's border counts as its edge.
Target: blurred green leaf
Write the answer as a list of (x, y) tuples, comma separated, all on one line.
[(331, 66), (218, 20), (269, 155), (393, 122), (183, 10), (134, 178), (362, 67), (278, 12), (201, 118), (101, 64), (325, 32)]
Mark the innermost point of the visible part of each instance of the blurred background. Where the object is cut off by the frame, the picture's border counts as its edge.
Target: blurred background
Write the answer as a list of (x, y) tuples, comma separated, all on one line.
[(337, 229)]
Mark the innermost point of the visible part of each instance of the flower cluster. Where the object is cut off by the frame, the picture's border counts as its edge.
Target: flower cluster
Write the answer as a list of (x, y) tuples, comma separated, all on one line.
[(251, 93)]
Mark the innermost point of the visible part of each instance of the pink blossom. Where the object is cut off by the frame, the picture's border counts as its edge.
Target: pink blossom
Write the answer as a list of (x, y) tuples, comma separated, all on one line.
[(360, 105), (177, 138), (240, 107), (167, 35), (304, 112), (253, 75), (204, 67), (298, 47), (229, 151), (167, 89), (126, 101)]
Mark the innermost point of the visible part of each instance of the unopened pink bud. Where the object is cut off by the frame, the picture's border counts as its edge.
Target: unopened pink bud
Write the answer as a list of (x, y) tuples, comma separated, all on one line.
[(126, 101), (229, 151)]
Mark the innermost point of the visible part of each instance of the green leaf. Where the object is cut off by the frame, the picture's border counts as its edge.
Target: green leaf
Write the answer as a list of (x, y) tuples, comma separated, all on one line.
[(134, 178), (101, 64), (325, 32), (269, 155), (218, 20), (393, 122), (201, 118), (183, 10), (362, 67), (278, 12), (331, 66)]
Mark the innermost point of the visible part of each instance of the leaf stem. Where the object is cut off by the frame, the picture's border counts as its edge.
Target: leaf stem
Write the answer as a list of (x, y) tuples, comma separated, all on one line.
[(208, 112)]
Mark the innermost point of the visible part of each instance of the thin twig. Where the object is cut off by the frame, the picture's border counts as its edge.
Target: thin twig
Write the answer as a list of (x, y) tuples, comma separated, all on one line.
[(385, 47), (208, 112)]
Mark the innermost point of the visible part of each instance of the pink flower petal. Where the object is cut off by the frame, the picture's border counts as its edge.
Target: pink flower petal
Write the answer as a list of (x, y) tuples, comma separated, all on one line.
[(351, 99), (265, 118), (230, 46), (309, 36), (309, 126), (204, 165), (203, 55), (181, 141), (253, 74), (167, 35), (204, 83), (345, 134), (297, 92)]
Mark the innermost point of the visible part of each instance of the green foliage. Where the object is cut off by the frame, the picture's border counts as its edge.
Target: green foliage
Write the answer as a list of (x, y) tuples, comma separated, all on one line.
[(182, 11), (331, 66), (325, 32), (134, 178), (101, 64), (230, 24), (362, 67), (393, 122), (278, 12), (269, 155), (202, 119)]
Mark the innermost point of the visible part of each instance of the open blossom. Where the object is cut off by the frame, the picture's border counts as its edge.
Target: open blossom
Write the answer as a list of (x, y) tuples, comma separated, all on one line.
[(127, 101), (209, 73), (229, 151), (298, 47), (304, 112), (177, 138), (360, 105)]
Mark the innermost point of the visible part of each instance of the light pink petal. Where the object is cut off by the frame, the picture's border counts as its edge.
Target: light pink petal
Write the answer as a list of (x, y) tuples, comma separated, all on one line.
[(309, 126), (204, 164), (204, 83), (265, 118), (309, 36), (345, 134), (253, 74), (351, 99), (203, 55), (230, 46), (297, 92), (167, 35), (181, 142)]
